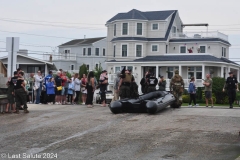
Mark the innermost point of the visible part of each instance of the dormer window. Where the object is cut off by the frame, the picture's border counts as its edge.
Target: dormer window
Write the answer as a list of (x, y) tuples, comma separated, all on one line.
[(223, 52), (125, 29), (155, 26), (202, 49), (139, 28)]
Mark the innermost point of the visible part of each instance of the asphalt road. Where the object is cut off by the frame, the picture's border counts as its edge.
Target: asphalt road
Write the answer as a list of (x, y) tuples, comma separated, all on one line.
[(78, 132)]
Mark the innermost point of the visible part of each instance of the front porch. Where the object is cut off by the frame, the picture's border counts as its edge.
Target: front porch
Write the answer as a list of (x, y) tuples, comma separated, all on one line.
[(185, 70)]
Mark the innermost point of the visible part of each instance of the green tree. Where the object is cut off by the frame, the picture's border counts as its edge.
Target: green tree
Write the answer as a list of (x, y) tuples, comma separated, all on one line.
[(69, 75), (83, 70), (217, 87), (98, 71)]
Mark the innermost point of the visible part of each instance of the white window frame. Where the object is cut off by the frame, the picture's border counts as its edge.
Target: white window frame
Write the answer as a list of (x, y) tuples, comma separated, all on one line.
[(96, 64), (140, 44), (154, 45), (114, 50), (122, 29), (203, 46), (105, 52), (114, 30), (194, 72), (224, 48), (180, 49), (71, 67), (127, 49), (91, 51), (136, 29), (154, 29), (68, 54), (98, 52), (85, 51), (133, 67)]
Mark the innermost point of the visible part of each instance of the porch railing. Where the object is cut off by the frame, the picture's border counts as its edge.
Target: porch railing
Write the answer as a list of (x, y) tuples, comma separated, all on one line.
[(56, 57)]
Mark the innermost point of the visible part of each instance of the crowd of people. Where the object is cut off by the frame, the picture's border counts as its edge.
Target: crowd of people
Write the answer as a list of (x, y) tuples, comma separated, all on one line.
[(58, 89), (62, 90)]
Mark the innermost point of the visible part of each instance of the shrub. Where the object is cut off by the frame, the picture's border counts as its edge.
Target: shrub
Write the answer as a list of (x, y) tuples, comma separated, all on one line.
[(185, 98), (185, 92), (217, 87), (213, 97), (83, 70), (98, 71)]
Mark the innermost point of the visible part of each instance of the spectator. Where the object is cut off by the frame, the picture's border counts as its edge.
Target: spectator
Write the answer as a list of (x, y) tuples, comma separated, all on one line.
[(77, 87), (10, 95), (192, 92), (65, 87), (162, 84), (83, 88), (30, 89), (232, 87), (115, 87), (70, 91), (208, 89), (50, 88), (58, 83), (90, 89), (38, 86), (103, 81), (143, 83)]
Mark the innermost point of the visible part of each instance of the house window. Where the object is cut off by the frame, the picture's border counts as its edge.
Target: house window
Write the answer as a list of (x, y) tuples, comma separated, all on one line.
[(96, 51), (87, 66), (154, 48), (103, 52), (174, 29), (117, 69), (202, 49), (32, 69), (124, 50), (72, 67), (84, 51), (155, 26), (96, 66), (139, 28), (121, 68), (67, 53), (89, 51), (138, 50), (124, 28), (114, 31), (195, 72), (183, 49), (170, 71), (114, 50), (223, 52)]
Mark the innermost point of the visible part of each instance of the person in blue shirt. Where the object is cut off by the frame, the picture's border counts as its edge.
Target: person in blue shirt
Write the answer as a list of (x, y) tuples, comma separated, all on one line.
[(50, 91), (70, 91), (46, 80)]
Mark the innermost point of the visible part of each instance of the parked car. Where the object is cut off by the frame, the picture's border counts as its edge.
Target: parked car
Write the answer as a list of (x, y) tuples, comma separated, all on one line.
[(109, 97)]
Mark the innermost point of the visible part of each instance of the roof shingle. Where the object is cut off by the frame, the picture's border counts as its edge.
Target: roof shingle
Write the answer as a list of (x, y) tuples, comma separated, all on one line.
[(82, 41)]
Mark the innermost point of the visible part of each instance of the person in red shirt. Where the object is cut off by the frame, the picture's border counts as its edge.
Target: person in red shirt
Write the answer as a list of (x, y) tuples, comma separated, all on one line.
[(65, 81), (83, 88)]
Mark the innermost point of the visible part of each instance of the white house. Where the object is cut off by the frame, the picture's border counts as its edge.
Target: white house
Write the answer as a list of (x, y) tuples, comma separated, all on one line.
[(142, 40), (89, 51)]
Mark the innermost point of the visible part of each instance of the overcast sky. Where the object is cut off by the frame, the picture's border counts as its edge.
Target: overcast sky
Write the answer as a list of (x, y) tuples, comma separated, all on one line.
[(88, 17)]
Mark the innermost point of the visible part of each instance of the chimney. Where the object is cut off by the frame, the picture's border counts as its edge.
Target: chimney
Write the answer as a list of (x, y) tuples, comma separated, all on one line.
[(23, 52)]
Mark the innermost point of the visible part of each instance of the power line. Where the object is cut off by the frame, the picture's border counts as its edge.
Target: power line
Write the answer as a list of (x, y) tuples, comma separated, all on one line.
[(37, 35)]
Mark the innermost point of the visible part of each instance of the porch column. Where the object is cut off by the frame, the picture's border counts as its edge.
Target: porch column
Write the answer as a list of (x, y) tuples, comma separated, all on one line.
[(46, 71), (180, 69), (203, 71), (222, 71), (157, 71), (229, 69)]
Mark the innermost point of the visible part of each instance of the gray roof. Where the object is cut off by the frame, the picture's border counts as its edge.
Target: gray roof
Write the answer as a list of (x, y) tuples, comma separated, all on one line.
[(199, 40), (136, 14), (151, 39), (82, 41), (187, 57)]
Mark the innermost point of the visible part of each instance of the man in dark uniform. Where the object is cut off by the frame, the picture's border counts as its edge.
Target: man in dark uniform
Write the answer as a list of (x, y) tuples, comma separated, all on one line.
[(124, 84), (152, 82), (20, 93), (232, 85)]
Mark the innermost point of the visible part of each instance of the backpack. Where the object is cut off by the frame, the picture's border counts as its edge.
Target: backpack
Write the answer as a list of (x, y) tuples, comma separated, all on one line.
[(191, 88)]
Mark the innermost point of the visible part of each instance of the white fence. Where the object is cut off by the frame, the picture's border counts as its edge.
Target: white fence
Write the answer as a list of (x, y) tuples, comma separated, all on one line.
[(210, 34)]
